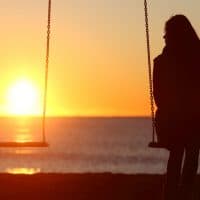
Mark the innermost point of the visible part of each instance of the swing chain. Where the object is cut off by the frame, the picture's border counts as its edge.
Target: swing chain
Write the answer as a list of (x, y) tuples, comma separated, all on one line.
[(149, 69), (46, 70)]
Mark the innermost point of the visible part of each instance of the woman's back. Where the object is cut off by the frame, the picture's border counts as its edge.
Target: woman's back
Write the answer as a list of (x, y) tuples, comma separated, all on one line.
[(177, 81), (176, 84)]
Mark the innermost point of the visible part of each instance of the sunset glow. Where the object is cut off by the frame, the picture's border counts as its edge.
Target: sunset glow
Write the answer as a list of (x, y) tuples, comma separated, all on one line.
[(27, 171), (23, 99), (98, 58)]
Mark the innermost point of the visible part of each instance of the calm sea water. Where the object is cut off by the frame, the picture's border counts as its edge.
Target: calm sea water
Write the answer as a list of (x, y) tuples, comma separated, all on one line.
[(117, 145)]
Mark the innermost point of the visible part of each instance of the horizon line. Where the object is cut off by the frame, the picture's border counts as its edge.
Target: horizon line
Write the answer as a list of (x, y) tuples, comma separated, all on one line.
[(76, 116)]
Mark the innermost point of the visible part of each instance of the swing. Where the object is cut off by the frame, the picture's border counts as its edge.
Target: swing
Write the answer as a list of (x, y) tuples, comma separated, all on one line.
[(154, 143), (43, 142)]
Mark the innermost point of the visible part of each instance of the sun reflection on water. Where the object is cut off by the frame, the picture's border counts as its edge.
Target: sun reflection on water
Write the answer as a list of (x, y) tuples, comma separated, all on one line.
[(24, 151), (23, 135), (27, 171)]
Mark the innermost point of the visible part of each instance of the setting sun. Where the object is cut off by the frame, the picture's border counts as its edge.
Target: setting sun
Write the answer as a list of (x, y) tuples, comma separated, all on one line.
[(23, 98)]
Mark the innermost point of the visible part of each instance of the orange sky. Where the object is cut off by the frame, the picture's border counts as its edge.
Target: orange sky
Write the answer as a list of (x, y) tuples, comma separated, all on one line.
[(98, 53)]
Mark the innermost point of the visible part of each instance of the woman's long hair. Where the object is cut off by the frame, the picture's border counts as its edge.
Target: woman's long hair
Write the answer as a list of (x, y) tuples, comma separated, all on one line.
[(180, 35)]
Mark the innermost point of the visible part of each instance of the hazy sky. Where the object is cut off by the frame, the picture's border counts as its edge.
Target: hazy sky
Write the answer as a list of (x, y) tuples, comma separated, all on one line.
[(98, 52)]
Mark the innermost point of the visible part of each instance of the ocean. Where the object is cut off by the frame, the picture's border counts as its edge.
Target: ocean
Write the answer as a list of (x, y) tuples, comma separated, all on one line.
[(80, 144)]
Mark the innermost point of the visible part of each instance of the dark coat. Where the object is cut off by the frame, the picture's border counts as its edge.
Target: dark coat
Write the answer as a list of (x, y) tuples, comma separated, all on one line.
[(176, 89)]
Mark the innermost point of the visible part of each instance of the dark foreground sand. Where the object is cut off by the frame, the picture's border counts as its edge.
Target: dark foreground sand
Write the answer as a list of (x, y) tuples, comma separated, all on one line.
[(81, 186)]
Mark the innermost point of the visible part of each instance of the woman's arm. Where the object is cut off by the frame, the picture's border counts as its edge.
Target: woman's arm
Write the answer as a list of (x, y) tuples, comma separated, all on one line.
[(157, 81)]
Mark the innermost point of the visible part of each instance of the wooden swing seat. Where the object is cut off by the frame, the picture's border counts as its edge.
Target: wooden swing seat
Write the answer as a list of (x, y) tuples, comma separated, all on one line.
[(23, 144)]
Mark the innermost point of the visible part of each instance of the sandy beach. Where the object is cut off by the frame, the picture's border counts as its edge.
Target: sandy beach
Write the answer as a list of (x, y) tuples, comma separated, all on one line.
[(80, 186)]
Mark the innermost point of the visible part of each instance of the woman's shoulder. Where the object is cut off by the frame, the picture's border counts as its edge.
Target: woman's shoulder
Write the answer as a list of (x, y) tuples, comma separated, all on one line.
[(160, 57), (159, 60)]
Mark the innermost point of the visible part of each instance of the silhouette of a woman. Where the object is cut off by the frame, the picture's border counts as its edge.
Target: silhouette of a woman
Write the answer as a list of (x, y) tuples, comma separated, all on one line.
[(176, 85)]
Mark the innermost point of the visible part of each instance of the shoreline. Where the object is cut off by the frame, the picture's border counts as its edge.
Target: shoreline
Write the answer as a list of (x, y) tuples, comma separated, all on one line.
[(74, 186), (86, 186)]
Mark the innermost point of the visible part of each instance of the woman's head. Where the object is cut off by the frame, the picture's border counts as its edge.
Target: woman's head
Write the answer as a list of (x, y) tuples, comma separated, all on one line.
[(179, 32)]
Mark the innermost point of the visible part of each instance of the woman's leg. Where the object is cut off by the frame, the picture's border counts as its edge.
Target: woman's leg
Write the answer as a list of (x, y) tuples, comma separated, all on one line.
[(189, 171), (173, 173)]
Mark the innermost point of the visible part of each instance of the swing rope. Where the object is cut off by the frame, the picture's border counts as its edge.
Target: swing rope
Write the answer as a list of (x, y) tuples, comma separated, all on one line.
[(46, 73), (149, 69)]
